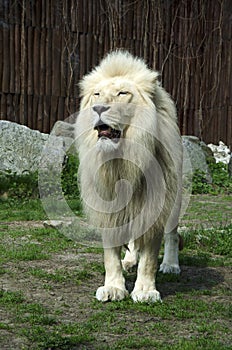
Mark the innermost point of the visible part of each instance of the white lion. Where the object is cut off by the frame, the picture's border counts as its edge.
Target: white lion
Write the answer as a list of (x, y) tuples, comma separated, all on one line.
[(130, 155)]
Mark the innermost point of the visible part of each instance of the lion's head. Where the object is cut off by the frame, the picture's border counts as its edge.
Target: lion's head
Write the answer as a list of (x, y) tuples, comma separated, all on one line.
[(113, 96)]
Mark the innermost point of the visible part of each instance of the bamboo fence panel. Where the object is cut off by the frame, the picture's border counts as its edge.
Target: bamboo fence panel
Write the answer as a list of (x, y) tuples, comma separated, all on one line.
[(47, 46)]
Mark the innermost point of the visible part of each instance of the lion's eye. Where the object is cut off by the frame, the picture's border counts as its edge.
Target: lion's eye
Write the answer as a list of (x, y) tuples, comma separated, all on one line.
[(122, 93), (97, 94)]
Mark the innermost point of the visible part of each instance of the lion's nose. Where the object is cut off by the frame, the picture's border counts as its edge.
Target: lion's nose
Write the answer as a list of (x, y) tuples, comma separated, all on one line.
[(100, 109)]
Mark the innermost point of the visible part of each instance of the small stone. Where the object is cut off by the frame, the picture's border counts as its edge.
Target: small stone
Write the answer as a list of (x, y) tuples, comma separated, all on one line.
[(57, 223), (61, 298)]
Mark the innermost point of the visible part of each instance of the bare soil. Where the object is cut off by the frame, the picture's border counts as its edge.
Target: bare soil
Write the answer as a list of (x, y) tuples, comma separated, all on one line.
[(74, 300)]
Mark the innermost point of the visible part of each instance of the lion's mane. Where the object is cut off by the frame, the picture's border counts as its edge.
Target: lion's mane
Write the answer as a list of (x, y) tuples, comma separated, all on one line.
[(151, 133)]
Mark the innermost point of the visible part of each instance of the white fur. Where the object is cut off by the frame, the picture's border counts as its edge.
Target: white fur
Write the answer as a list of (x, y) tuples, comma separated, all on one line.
[(131, 188), (131, 257), (114, 288), (170, 262)]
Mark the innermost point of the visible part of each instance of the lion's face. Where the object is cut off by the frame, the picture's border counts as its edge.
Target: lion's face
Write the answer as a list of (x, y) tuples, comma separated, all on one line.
[(112, 106)]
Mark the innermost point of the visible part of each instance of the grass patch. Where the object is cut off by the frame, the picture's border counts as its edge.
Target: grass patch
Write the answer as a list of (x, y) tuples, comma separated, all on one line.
[(221, 181), (48, 285), (216, 241), (27, 252), (182, 307), (61, 275), (10, 298), (21, 209), (56, 338), (207, 247), (208, 211), (32, 244)]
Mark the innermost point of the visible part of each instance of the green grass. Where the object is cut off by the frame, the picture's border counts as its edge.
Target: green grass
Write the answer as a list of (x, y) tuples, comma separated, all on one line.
[(48, 283), (31, 244), (209, 247), (21, 209), (56, 338), (30, 209), (10, 298), (208, 211), (61, 275), (184, 344), (212, 240)]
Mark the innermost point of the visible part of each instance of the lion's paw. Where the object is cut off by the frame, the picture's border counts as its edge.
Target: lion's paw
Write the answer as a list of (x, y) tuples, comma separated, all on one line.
[(150, 296), (107, 293), (166, 268)]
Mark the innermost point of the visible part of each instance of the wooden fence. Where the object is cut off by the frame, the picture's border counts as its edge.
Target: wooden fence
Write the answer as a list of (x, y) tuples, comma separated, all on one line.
[(47, 45)]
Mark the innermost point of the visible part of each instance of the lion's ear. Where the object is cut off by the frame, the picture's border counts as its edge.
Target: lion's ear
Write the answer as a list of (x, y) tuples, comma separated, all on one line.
[(147, 82), (154, 80), (154, 76)]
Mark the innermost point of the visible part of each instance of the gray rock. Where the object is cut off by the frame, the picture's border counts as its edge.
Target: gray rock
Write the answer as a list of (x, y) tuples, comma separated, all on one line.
[(21, 148), (64, 130), (199, 154)]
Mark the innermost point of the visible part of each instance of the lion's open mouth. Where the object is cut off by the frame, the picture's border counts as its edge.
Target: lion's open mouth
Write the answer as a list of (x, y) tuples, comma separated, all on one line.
[(105, 131)]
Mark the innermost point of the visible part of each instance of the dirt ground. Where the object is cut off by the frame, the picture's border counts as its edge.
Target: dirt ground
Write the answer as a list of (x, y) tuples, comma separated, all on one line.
[(74, 300), (70, 297)]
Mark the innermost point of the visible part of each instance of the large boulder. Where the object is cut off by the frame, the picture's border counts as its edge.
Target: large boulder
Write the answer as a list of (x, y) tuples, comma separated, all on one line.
[(21, 148), (199, 155)]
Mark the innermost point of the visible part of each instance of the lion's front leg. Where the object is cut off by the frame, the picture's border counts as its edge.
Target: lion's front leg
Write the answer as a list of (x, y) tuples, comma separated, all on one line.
[(114, 287), (145, 289)]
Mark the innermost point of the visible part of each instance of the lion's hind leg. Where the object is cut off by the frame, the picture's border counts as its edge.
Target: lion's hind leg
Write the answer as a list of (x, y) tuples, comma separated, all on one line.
[(170, 262), (114, 287), (131, 257)]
